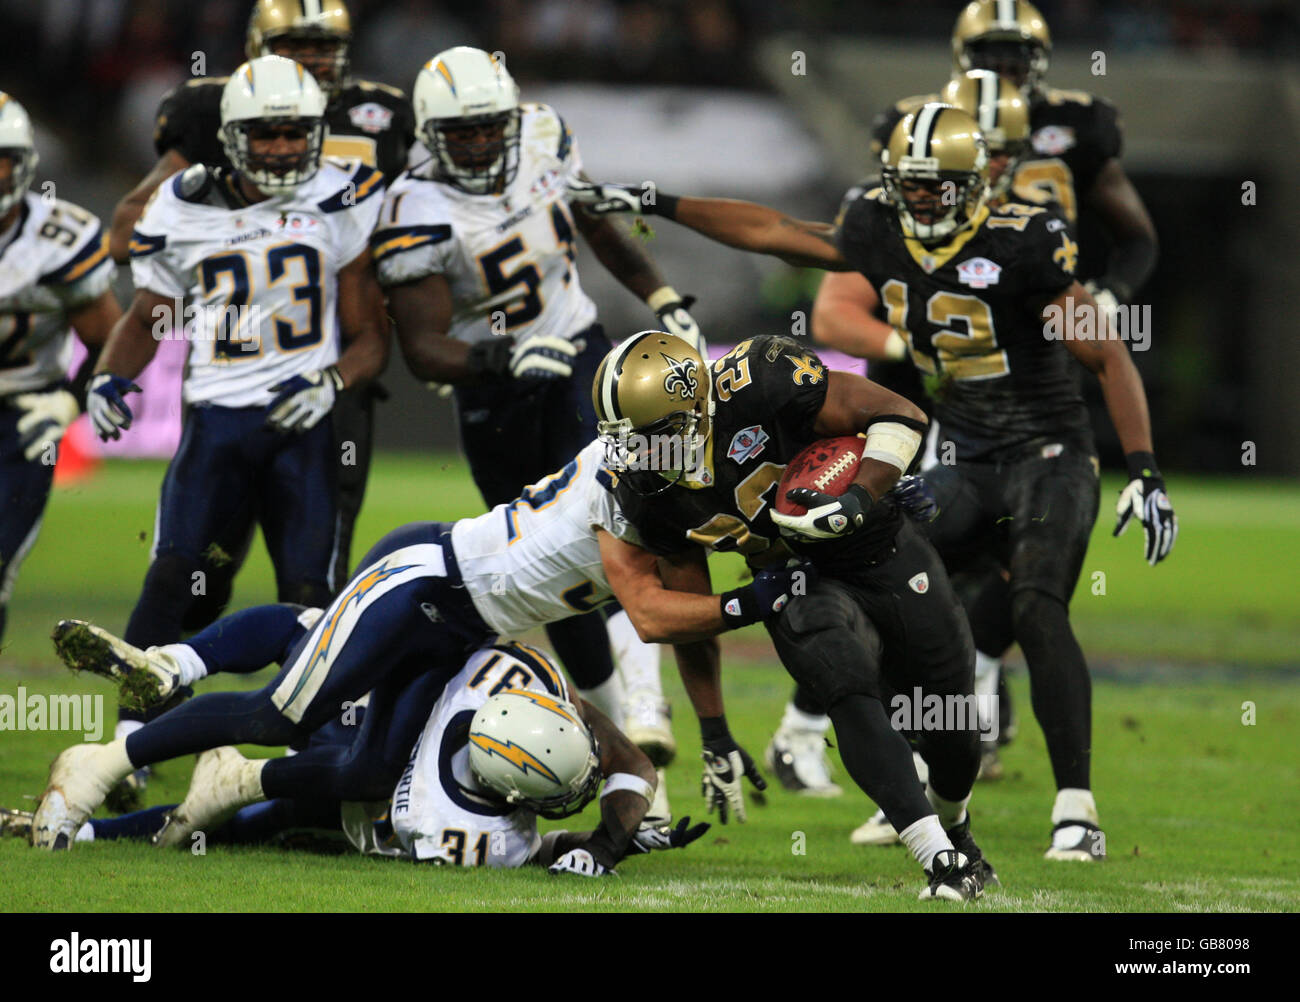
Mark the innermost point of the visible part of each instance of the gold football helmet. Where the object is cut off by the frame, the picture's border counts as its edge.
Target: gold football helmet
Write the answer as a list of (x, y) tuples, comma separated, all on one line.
[(1002, 114), (935, 172), (315, 33), (1008, 37), (654, 409)]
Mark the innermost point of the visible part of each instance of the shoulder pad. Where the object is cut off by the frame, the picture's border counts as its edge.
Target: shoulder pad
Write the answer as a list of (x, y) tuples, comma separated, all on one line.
[(395, 239), (363, 183), (1052, 95), (371, 86), (192, 184), (89, 256)]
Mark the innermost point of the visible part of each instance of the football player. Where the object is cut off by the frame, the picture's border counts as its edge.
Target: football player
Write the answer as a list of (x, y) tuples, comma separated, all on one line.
[(55, 279), (986, 296), (366, 121), (399, 629), (505, 742), (1075, 140), (476, 250), (266, 269), (882, 618)]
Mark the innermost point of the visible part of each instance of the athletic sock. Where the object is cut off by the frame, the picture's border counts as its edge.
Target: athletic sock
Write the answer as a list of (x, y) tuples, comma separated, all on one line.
[(950, 812), (987, 672), (638, 662), (189, 666), (795, 719), (607, 697), (1075, 805), (925, 839), (125, 728)]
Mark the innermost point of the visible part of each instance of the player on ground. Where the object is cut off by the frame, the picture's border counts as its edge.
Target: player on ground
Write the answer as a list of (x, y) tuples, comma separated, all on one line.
[(400, 629), (476, 781), (273, 260), (366, 121), (476, 249), (881, 620), (55, 279), (986, 296)]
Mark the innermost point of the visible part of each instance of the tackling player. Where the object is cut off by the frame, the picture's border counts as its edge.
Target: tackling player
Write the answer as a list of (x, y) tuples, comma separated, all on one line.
[(476, 250), (400, 629), (55, 278), (272, 259), (881, 620), (986, 296)]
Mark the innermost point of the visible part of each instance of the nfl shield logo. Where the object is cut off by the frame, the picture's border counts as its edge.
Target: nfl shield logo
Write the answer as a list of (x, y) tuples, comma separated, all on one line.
[(747, 443), (920, 583), (978, 273)]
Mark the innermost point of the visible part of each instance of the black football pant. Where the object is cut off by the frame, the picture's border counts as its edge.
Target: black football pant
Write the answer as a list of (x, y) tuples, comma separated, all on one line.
[(24, 491), (878, 653), (1033, 515), (514, 438)]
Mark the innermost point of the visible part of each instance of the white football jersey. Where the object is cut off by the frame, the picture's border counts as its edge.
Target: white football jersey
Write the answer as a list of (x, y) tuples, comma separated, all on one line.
[(438, 809), (56, 263), (257, 284), (537, 559), (508, 258)]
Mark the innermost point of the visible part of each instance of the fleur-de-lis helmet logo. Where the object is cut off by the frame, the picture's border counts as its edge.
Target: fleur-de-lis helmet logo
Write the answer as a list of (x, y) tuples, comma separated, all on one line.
[(681, 377)]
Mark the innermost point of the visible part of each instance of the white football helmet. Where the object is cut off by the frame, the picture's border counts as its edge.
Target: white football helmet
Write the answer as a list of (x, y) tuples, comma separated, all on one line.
[(263, 93), (17, 143), (535, 751), (467, 114)]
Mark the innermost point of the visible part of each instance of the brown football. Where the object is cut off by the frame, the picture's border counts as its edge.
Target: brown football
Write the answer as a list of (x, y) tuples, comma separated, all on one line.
[(829, 466)]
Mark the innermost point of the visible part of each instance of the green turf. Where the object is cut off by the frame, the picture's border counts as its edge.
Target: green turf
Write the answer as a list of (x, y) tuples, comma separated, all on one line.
[(1199, 807)]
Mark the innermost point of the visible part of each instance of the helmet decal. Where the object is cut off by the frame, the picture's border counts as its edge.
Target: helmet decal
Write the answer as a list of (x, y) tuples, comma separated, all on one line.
[(681, 377)]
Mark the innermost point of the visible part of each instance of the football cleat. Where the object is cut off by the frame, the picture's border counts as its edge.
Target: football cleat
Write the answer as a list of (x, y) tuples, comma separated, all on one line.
[(648, 723), (223, 782), (876, 830), (798, 759), (80, 778), (1080, 841), (990, 763), (144, 678), (128, 795), (953, 877), (659, 813), (962, 841), (16, 824)]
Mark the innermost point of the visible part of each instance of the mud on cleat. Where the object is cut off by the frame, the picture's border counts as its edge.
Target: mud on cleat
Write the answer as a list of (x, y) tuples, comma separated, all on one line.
[(1079, 841), (962, 841), (223, 782), (798, 759), (648, 724), (144, 678), (80, 778), (953, 877), (128, 795)]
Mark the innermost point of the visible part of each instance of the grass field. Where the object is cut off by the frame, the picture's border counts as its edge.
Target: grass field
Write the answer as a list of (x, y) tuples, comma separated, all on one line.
[(1199, 808)]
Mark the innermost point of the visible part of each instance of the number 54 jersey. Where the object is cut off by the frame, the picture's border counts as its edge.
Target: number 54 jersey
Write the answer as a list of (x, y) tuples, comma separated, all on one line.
[(258, 282), (970, 313), (508, 258)]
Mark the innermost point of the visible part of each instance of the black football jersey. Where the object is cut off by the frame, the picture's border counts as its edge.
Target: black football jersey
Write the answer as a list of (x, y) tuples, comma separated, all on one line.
[(970, 312), (371, 122), (768, 392), (1073, 134)]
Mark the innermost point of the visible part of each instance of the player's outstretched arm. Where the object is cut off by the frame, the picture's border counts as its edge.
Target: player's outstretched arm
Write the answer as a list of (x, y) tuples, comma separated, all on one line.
[(1144, 498), (365, 337), (844, 318), (131, 346), (133, 202), (1134, 244), (743, 225), (421, 311)]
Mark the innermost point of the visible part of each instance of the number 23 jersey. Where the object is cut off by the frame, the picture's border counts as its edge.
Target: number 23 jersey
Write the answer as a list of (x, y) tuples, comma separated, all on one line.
[(970, 313), (508, 258), (260, 281)]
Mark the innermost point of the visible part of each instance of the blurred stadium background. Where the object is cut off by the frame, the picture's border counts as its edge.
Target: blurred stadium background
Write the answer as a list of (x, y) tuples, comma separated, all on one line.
[(772, 101)]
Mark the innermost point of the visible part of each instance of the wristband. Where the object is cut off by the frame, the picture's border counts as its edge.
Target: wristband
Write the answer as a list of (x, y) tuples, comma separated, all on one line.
[(895, 347), (490, 356), (1141, 466), (714, 729), (740, 608), (627, 781), (663, 205), (663, 296)]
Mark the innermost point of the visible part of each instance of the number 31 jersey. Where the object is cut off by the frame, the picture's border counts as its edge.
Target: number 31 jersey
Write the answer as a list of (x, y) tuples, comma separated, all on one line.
[(970, 313), (259, 281), (508, 258)]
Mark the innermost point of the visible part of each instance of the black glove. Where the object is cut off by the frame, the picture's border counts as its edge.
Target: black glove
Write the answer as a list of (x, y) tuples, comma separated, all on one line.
[(769, 592), (651, 838), (725, 762)]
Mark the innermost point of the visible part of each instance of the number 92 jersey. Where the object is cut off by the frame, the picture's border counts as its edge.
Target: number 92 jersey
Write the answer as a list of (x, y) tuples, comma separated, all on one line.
[(508, 258), (259, 281), (970, 313), (438, 810), (56, 263)]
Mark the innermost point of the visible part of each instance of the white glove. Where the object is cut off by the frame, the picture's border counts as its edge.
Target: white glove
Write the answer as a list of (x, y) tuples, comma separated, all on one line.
[(105, 404), (1145, 499), (304, 400), (543, 358), (671, 309), (827, 517), (580, 862), (47, 416), (603, 199)]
